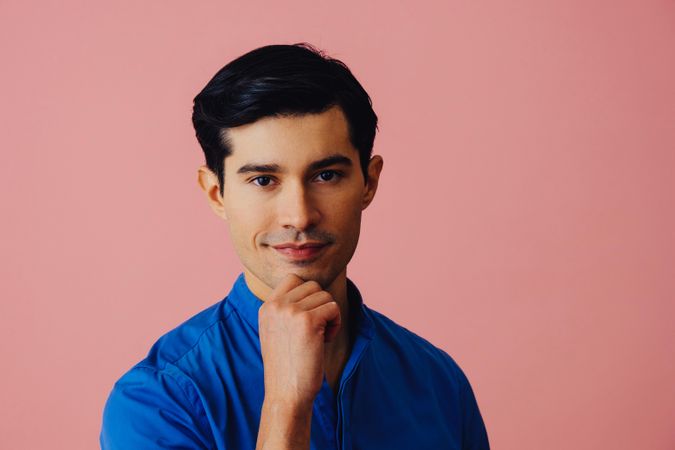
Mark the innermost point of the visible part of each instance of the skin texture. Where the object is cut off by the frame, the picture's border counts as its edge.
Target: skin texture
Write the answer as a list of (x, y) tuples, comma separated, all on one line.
[(304, 321)]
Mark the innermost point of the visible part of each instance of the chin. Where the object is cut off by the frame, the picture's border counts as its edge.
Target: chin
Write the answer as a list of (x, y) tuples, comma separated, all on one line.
[(323, 277)]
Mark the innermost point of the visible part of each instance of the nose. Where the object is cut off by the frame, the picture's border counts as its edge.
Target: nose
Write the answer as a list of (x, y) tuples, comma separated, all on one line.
[(296, 208)]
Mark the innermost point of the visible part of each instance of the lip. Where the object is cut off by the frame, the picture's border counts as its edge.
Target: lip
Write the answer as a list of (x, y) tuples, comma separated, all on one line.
[(299, 246), (300, 252)]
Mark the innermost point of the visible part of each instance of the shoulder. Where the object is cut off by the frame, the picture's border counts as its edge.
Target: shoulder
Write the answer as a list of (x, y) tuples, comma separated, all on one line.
[(156, 397), (161, 365), (148, 407), (191, 334), (391, 336), (435, 369)]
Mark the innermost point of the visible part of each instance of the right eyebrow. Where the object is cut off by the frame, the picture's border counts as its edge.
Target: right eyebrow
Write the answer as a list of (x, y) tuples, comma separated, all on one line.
[(270, 168)]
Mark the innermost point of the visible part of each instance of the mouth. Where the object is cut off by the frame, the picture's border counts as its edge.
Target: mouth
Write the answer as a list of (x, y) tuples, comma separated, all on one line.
[(302, 252)]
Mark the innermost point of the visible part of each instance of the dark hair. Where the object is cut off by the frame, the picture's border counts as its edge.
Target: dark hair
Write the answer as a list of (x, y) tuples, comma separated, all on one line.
[(280, 80)]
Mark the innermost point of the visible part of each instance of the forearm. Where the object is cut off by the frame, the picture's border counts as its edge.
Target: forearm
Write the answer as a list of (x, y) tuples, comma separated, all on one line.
[(284, 426)]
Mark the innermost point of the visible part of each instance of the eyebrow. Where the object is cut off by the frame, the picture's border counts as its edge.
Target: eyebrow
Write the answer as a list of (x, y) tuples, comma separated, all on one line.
[(275, 168)]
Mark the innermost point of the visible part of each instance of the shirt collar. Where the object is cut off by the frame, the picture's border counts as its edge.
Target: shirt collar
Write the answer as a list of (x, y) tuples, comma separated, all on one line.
[(248, 304)]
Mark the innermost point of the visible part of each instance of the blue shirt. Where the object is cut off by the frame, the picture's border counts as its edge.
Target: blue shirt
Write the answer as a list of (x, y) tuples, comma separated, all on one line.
[(201, 387)]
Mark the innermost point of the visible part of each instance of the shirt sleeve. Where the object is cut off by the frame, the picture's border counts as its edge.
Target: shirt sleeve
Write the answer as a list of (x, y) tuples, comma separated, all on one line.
[(474, 434), (148, 409)]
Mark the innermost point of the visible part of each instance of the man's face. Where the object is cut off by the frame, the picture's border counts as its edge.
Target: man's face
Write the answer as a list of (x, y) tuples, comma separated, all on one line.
[(294, 180)]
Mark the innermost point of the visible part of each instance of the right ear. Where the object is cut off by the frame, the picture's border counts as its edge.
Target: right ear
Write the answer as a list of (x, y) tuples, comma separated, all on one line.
[(208, 182)]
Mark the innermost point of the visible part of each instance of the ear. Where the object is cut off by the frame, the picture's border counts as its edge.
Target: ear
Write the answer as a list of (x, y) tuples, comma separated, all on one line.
[(208, 182), (374, 169)]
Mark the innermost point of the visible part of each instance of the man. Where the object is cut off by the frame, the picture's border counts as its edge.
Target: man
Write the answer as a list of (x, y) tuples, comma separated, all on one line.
[(291, 358)]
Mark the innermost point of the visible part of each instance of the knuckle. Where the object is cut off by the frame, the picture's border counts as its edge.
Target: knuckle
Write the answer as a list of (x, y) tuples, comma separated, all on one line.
[(306, 323), (334, 309), (268, 309), (291, 310), (262, 313), (292, 276), (314, 285), (273, 298), (327, 296)]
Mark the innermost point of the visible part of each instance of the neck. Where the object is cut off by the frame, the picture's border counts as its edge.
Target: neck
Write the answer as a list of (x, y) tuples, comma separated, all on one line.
[(337, 350)]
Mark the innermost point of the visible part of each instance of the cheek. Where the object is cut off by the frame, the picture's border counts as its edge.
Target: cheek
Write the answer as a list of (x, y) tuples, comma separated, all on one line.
[(347, 217), (245, 226)]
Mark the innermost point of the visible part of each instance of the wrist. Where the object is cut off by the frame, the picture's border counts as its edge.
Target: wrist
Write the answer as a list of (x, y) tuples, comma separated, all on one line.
[(284, 425), (292, 408)]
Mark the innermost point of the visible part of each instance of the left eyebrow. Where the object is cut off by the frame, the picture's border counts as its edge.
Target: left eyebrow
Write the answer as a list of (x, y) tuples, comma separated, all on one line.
[(330, 161)]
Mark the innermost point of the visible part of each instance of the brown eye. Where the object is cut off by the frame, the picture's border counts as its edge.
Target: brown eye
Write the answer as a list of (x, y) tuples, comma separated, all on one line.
[(329, 175), (264, 181)]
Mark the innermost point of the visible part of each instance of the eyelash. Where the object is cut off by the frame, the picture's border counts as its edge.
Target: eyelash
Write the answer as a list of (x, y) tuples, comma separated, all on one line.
[(336, 176)]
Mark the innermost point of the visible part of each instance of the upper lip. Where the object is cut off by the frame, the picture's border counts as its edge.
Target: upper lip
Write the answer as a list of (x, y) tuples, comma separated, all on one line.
[(298, 246)]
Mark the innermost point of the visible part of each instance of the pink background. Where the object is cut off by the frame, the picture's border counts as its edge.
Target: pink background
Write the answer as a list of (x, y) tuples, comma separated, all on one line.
[(524, 220)]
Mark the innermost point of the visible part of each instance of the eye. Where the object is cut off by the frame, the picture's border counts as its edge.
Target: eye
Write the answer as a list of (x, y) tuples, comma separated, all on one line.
[(329, 175), (263, 181)]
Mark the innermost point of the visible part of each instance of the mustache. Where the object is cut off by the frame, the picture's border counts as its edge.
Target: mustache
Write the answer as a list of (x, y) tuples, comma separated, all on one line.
[(299, 237)]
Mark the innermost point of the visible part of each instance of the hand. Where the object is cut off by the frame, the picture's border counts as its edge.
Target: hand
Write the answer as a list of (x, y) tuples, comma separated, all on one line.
[(294, 324)]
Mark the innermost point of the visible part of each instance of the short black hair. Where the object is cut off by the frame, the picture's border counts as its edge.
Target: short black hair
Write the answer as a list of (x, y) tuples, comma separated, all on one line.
[(280, 80)]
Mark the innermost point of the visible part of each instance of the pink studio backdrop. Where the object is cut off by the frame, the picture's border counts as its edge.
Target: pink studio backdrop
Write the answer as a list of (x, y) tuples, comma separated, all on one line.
[(524, 221)]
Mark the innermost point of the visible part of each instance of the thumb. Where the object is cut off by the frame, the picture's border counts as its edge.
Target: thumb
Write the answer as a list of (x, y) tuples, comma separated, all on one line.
[(333, 325)]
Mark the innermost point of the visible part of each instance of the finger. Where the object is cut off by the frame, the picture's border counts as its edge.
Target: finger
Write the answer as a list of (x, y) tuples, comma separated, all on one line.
[(328, 316), (314, 300), (287, 283), (306, 289)]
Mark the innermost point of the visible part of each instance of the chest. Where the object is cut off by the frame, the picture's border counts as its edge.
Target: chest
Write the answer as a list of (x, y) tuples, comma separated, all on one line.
[(370, 412)]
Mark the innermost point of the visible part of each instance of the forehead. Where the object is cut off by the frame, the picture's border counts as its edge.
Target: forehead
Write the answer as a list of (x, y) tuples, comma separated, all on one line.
[(290, 140)]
